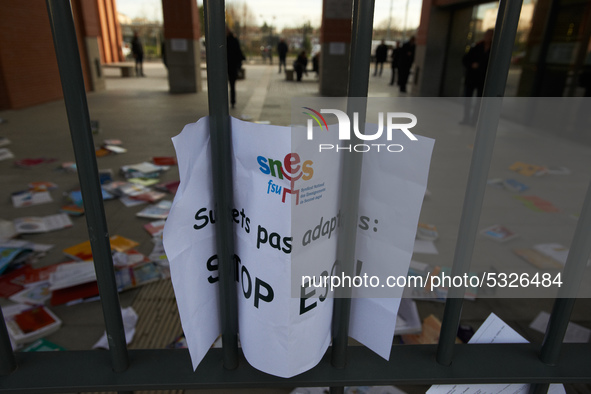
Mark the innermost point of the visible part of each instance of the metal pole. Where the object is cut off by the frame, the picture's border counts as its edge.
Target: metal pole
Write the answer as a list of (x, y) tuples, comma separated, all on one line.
[(574, 268), (352, 163), (221, 143), (488, 120), (68, 59), (7, 361)]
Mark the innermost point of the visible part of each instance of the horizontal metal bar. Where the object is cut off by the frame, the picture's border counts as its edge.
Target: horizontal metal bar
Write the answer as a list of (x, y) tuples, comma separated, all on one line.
[(58, 372)]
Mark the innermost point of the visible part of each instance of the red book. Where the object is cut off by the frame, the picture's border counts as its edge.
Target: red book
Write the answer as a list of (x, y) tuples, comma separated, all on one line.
[(164, 160), (33, 319), (79, 292)]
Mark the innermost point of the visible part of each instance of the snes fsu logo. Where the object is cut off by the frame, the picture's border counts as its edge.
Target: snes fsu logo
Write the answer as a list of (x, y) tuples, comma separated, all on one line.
[(345, 130)]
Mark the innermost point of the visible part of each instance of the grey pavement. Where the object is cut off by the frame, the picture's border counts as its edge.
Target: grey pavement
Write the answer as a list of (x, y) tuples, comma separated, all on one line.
[(142, 113)]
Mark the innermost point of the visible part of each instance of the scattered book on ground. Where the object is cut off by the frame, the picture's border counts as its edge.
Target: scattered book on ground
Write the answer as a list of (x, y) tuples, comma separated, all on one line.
[(557, 171), (537, 204), (527, 169), (164, 160), (170, 187), (142, 170), (6, 154), (538, 259), (151, 196), (68, 166), (105, 176), (72, 274), (26, 198), (42, 345), (156, 211), (29, 163), (13, 256), (32, 224), (42, 186), (498, 233), (115, 149), (33, 294), (427, 232), (514, 185), (83, 251), (130, 202), (31, 324), (155, 228), (72, 210), (102, 152), (144, 181)]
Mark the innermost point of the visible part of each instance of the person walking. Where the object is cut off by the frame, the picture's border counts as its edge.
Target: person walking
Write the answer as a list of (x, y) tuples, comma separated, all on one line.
[(406, 57), (381, 56), (475, 62), (394, 62), (282, 52), (235, 59), (137, 50)]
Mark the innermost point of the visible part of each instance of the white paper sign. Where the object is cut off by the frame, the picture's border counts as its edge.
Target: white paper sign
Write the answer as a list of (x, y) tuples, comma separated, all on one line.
[(286, 209)]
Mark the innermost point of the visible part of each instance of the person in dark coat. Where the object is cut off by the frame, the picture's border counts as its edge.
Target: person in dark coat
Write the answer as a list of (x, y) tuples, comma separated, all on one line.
[(405, 59), (394, 62), (137, 50), (300, 65), (282, 52), (235, 59), (475, 62), (316, 64), (381, 57)]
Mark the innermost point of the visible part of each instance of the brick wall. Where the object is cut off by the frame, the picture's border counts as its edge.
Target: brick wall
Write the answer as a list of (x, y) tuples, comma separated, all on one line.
[(181, 19), (28, 67), (27, 59)]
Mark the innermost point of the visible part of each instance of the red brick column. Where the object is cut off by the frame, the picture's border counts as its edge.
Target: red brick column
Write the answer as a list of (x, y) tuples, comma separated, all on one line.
[(335, 39), (181, 45)]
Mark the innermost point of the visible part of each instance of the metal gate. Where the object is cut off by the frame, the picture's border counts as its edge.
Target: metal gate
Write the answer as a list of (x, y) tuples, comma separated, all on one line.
[(125, 370)]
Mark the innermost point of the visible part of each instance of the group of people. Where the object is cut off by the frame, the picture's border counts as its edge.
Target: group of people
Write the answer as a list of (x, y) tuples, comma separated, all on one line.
[(475, 62), (402, 59)]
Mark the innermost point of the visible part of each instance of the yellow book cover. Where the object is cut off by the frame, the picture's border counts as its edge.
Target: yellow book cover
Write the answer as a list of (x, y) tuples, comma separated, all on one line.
[(83, 252)]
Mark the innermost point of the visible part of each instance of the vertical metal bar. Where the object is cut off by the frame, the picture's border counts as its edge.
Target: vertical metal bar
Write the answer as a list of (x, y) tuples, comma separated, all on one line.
[(358, 85), (488, 120), (221, 143), (579, 252), (68, 58), (539, 388), (7, 361)]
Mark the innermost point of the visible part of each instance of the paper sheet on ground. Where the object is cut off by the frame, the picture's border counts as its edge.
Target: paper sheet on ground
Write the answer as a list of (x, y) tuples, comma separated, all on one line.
[(129, 317), (493, 330)]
